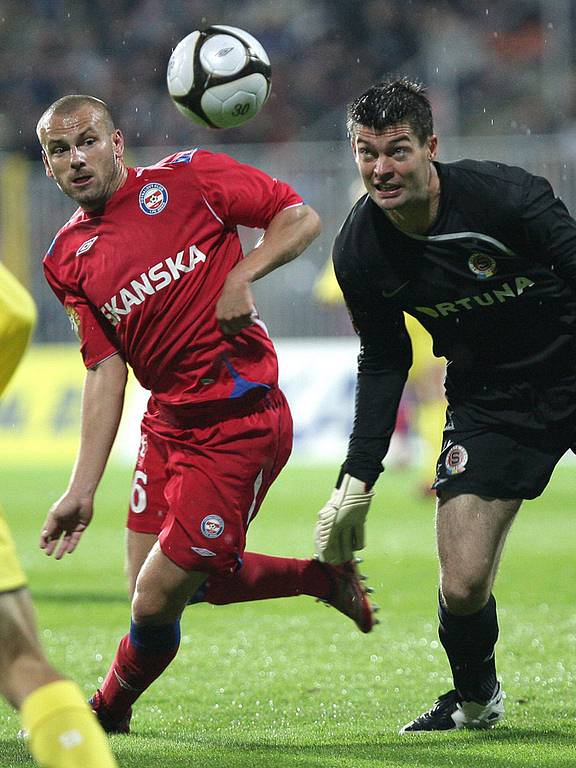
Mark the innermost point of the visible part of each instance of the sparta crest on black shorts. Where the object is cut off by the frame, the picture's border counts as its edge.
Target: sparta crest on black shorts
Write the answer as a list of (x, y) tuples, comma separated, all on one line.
[(506, 441)]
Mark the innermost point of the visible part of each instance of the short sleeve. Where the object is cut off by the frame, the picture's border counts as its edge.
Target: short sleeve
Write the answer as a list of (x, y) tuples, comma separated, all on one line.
[(240, 194), (96, 343)]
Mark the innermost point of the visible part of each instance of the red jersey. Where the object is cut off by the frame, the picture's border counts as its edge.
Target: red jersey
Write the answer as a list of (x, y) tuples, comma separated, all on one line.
[(142, 276)]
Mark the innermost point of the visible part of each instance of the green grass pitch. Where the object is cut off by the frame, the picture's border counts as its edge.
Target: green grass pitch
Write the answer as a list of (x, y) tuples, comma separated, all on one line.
[(292, 683)]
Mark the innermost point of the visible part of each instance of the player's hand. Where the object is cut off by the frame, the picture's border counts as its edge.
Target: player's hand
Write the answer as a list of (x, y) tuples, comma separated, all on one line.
[(340, 525), (235, 308), (65, 523)]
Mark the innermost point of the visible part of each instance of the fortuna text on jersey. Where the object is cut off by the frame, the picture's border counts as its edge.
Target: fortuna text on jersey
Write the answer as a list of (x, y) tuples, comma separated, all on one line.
[(157, 277), (503, 293)]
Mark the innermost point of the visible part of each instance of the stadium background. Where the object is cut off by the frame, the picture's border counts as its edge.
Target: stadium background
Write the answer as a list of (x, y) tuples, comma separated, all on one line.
[(502, 83), (270, 684)]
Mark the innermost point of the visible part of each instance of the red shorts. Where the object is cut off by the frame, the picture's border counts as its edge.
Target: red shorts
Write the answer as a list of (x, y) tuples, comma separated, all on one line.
[(197, 488)]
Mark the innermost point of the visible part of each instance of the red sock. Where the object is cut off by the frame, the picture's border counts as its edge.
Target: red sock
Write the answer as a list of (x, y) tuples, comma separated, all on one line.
[(262, 577), (132, 671)]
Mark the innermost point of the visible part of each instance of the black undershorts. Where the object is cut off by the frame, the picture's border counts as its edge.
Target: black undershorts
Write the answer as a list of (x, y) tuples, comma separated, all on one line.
[(503, 440)]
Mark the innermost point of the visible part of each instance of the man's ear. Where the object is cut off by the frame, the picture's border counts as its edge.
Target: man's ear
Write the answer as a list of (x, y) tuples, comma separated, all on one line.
[(432, 146), (118, 142)]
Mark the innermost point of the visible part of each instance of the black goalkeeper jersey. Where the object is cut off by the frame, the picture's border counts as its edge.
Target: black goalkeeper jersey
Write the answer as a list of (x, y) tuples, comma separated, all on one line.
[(493, 281)]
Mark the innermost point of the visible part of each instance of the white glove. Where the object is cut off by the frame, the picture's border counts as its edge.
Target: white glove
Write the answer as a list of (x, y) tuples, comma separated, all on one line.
[(340, 525)]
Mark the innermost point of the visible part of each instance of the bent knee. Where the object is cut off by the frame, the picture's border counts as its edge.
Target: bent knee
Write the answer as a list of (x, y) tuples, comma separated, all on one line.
[(152, 608), (465, 596)]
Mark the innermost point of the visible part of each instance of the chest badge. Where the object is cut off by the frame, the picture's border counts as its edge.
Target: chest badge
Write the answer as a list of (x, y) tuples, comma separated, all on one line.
[(153, 198), (482, 265)]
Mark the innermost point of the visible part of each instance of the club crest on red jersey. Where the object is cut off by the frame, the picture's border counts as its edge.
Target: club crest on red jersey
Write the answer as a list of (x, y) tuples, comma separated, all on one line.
[(153, 198), (212, 526)]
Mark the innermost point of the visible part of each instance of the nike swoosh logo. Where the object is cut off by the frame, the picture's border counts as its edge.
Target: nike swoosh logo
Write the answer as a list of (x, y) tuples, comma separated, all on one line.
[(388, 294)]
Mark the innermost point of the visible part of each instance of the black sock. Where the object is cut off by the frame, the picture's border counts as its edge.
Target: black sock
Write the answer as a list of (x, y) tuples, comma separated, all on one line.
[(469, 644)]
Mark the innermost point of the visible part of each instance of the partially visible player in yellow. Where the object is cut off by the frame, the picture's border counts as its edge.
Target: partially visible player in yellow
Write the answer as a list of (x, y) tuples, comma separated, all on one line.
[(63, 731), (426, 379)]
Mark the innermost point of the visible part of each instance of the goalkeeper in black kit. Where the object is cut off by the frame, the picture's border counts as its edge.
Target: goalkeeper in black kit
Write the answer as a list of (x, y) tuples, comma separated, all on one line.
[(484, 256)]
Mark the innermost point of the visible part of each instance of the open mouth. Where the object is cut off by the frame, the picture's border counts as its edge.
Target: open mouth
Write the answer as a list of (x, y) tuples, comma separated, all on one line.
[(81, 181), (387, 190)]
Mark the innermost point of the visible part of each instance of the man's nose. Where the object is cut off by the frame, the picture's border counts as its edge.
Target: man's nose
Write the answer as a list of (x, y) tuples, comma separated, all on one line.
[(76, 158), (383, 167)]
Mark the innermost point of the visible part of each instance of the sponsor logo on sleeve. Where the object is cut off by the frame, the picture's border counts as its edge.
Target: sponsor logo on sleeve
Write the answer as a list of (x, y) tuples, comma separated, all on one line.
[(153, 198), (183, 157)]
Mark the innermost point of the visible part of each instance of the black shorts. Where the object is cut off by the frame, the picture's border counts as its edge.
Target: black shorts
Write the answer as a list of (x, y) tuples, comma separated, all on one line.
[(503, 440)]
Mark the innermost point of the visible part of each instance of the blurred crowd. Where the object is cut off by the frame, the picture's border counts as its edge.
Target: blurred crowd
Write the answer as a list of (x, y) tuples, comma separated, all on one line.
[(486, 62)]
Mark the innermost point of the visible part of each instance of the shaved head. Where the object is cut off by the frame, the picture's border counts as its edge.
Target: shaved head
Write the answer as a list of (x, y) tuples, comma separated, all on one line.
[(69, 105)]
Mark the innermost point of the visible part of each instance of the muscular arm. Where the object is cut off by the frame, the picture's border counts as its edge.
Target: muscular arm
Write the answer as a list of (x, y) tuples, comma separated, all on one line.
[(289, 233), (102, 402)]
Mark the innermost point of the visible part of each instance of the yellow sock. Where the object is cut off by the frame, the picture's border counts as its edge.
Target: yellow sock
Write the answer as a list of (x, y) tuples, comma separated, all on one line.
[(63, 732)]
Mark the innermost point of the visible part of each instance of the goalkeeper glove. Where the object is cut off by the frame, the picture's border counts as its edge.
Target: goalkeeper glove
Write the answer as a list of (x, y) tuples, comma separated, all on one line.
[(340, 525)]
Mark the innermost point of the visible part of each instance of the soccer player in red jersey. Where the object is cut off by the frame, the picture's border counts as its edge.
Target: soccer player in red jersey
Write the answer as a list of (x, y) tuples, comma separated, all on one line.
[(151, 272)]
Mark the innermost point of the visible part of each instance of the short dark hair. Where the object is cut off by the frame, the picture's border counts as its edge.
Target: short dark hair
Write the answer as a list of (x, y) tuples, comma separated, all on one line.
[(391, 102)]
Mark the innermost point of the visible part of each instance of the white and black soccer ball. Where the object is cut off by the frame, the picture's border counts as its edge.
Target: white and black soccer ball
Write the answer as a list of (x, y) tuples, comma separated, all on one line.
[(219, 77)]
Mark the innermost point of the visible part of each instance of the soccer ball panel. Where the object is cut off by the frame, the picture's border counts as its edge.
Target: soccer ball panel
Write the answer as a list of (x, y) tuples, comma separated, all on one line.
[(223, 56), (232, 104), (181, 66), (249, 39), (192, 115), (219, 77)]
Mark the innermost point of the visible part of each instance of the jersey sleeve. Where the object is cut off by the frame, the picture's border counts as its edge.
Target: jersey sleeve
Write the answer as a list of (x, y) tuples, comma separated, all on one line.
[(383, 364), (240, 194), (95, 343), (550, 230)]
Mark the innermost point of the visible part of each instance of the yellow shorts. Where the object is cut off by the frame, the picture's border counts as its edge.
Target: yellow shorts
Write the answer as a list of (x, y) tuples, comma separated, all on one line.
[(11, 573)]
